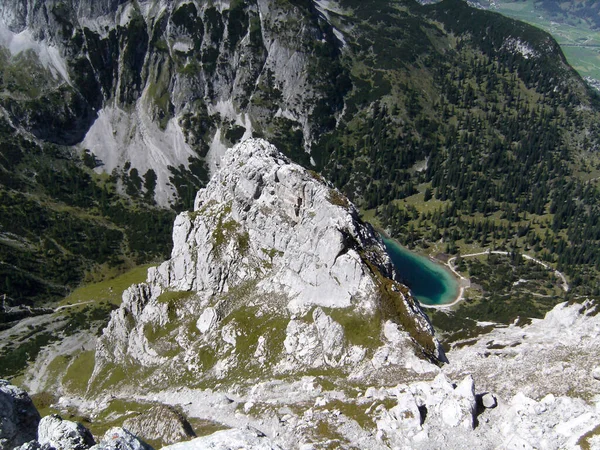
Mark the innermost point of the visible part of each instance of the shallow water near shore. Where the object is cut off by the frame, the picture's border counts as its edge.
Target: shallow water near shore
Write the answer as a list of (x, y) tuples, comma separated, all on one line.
[(430, 283)]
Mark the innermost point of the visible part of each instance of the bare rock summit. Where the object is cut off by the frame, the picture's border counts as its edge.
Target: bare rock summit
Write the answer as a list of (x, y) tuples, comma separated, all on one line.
[(273, 273)]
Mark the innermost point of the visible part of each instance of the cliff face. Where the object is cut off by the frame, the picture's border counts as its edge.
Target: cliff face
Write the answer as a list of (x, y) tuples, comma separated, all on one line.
[(162, 85), (273, 273)]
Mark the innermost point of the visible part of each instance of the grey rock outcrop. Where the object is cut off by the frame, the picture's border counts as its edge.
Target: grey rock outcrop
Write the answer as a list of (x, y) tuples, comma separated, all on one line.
[(425, 407), (120, 439), (270, 240), (54, 433), (19, 418), (160, 423)]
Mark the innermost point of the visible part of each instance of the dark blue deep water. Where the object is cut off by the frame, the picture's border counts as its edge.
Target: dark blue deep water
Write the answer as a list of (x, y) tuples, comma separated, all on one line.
[(431, 283)]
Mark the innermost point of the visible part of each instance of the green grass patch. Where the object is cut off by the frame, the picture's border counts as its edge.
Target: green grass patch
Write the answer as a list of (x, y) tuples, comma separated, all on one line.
[(110, 377), (393, 299), (363, 331), (203, 427), (224, 231), (56, 369), (584, 441), (79, 373), (243, 242), (271, 327), (14, 360), (337, 198), (110, 290), (43, 402), (170, 297), (370, 216)]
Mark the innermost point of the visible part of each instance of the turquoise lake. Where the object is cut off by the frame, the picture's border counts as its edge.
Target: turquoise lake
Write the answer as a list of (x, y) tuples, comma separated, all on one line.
[(429, 282)]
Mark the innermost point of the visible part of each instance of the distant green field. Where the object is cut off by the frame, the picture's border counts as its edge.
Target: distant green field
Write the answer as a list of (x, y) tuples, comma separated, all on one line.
[(579, 42)]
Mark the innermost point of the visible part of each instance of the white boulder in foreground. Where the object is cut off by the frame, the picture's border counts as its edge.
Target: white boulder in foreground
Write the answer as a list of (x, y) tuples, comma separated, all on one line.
[(54, 433), (120, 439)]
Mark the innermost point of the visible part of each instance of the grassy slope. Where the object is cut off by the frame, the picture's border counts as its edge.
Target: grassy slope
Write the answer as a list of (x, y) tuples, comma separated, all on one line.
[(86, 309)]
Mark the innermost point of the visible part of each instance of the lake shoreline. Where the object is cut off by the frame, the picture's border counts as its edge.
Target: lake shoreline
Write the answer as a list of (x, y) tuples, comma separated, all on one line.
[(449, 279)]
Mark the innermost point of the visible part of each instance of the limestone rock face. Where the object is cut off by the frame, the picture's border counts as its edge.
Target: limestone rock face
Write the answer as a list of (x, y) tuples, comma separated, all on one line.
[(276, 263), (54, 433), (262, 214), (18, 417), (154, 84)]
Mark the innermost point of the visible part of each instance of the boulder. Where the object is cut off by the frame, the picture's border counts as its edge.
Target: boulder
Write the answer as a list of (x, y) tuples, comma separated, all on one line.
[(460, 407), (406, 413), (120, 439), (489, 401), (19, 418), (160, 423), (54, 433)]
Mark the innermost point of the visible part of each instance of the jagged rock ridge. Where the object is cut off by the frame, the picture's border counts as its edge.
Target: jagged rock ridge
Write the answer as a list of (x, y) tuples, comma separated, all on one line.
[(272, 273)]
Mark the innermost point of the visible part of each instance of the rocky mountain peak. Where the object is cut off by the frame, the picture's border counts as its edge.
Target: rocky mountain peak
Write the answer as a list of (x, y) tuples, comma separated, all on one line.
[(272, 272)]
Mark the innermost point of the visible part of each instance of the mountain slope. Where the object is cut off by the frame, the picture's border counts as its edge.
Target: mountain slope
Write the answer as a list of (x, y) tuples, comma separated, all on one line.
[(483, 114), (278, 311), (164, 84), (62, 223), (452, 133), (517, 408), (266, 239)]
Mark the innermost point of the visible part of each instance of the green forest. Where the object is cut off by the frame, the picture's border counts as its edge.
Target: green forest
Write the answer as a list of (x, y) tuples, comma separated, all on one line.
[(62, 224), (479, 146)]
